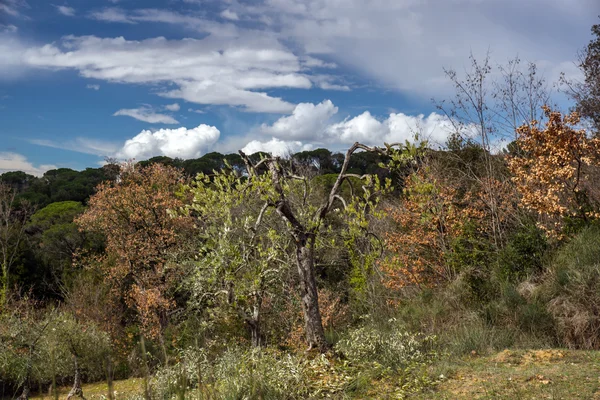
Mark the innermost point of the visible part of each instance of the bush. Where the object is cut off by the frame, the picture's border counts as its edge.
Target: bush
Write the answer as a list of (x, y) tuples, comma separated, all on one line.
[(236, 374), (389, 347), (523, 255), (571, 290)]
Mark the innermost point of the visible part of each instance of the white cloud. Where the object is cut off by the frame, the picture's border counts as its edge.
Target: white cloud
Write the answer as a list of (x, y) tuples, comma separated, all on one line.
[(404, 44), (196, 111), (146, 114), (172, 107), (231, 15), (17, 162), (81, 145), (398, 127), (181, 142), (313, 124), (93, 87), (111, 14), (306, 122), (212, 70), (276, 147), (65, 10)]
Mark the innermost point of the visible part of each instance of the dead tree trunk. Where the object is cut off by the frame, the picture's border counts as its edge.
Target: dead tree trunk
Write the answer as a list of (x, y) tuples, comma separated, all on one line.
[(76, 390)]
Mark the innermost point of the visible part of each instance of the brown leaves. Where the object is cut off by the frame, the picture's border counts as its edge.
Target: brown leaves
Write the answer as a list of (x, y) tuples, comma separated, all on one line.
[(555, 170), (141, 236)]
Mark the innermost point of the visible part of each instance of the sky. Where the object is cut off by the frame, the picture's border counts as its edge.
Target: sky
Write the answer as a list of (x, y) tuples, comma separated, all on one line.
[(82, 80)]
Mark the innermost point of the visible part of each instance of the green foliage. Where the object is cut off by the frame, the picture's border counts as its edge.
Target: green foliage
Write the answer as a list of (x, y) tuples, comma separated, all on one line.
[(68, 338), (571, 290), (363, 246), (389, 347), (236, 374), (523, 255), (241, 251)]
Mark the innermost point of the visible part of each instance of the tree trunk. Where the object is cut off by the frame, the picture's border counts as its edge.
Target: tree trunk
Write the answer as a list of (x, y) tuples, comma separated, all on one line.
[(4, 289), (26, 389), (315, 335), (109, 377), (25, 394), (254, 321), (76, 390)]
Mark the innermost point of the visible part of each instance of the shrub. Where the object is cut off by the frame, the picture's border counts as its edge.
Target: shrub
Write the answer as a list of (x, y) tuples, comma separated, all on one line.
[(571, 290), (389, 347), (523, 255), (236, 374)]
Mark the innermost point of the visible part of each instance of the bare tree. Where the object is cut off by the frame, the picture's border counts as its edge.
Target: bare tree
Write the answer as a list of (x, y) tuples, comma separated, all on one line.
[(487, 108)]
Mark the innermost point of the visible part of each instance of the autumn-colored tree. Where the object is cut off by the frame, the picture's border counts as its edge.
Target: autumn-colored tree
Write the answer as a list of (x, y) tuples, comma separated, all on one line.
[(556, 171), (426, 219), (141, 238), (440, 201)]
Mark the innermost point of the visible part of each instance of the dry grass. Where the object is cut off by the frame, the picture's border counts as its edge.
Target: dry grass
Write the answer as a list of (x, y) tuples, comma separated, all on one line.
[(533, 374)]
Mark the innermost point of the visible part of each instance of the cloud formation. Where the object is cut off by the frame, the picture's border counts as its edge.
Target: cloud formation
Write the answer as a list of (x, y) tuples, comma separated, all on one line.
[(172, 107), (16, 162), (307, 121), (405, 44), (212, 70), (314, 124), (146, 114), (65, 10), (276, 147), (181, 142)]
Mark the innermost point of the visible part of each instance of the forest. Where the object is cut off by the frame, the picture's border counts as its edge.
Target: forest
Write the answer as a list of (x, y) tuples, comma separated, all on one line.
[(361, 274)]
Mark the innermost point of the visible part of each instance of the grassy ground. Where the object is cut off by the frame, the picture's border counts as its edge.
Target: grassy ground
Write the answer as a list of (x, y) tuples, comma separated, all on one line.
[(95, 391), (534, 374), (510, 374)]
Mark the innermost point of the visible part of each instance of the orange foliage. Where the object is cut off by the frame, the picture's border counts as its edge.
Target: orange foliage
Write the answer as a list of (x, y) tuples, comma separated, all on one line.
[(141, 236), (432, 214), (556, 172), (426, 219)]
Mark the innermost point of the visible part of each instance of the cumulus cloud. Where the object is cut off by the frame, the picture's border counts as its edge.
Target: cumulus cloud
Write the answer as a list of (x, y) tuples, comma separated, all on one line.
[(314, 124), (212, 70), (276, 147), (398, 127), (172, 107), (146, 114), (307, 121), (181, 142), (65, 10), (92, 87), (17, 162)]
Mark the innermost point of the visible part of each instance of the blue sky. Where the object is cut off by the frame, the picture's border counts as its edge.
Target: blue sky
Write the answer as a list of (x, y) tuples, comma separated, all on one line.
[(81, 80)]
